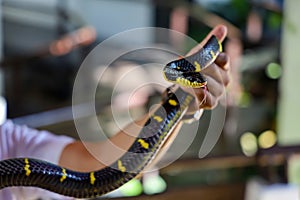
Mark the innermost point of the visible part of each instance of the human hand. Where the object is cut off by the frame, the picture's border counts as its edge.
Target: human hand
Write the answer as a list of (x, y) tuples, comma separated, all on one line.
[(217, 74)]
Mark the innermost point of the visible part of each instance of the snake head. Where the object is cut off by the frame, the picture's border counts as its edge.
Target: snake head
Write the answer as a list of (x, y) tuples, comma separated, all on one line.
[(186, 71), (185, 78)]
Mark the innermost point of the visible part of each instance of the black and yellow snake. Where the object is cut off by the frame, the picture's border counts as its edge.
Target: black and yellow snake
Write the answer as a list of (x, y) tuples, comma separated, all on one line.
[(159, 126)]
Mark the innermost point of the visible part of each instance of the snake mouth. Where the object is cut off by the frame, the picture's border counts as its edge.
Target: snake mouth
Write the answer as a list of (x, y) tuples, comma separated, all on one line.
[(188, 79)]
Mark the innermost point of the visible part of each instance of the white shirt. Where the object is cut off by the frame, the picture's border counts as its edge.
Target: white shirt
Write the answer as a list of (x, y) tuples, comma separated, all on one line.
[(21, 141)]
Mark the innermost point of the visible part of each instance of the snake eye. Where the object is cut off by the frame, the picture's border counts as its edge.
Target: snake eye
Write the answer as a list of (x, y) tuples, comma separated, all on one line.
[(173, 66)]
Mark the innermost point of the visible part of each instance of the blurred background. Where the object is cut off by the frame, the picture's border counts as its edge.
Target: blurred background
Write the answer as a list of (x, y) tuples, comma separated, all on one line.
[(43, 44)]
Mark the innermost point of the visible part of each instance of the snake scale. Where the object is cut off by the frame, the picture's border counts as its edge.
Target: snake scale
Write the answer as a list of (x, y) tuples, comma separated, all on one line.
[(159, 126)]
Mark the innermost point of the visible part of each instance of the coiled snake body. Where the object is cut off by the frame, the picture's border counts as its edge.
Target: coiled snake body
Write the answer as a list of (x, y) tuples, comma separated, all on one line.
[(38, 173)]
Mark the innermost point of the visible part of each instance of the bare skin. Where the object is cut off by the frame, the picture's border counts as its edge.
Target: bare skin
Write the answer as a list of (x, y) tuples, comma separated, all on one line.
[(76, 156)]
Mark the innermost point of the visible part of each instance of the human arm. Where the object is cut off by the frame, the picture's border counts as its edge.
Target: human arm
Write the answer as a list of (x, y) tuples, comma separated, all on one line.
[(76, 155)]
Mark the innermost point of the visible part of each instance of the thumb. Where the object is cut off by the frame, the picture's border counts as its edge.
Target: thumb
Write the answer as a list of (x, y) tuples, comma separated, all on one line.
[(220, 31)]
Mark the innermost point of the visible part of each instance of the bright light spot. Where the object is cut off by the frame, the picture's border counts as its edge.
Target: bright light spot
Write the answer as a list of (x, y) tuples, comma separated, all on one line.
[(61, 47), (85, 35), (64, 45), (248, 143), (273, 70), (154, 185), (132, 188), (267, 139)]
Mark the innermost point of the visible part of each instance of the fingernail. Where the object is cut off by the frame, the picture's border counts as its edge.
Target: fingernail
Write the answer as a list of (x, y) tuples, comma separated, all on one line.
[(223, 28), (221, 32)]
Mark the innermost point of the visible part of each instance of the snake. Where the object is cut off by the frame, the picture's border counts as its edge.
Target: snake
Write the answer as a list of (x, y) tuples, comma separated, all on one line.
[(186, 72)]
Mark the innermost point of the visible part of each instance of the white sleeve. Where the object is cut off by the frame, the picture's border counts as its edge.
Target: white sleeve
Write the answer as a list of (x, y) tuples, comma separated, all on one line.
[(22, 141)]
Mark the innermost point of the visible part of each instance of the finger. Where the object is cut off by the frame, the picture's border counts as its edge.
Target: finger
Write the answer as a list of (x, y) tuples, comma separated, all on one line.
[(209, 101), (205, 99), (214, 87), (223, 61), (218, 74), (219, 31)]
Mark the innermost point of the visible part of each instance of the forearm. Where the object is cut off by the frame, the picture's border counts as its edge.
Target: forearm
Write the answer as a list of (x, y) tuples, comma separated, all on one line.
[(90, 156)]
